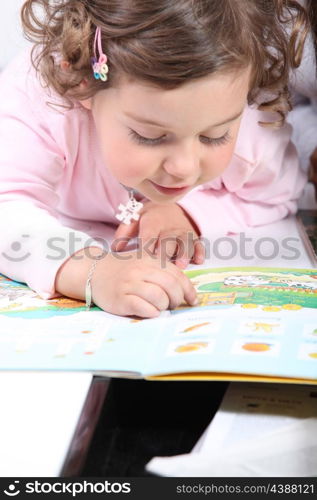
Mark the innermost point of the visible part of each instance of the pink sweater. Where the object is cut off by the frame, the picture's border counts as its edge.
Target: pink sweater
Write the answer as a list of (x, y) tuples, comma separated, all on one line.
[(57, 196)]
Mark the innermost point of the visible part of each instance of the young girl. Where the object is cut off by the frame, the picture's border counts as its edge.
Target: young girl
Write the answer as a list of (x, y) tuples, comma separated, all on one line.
[(178, 104)]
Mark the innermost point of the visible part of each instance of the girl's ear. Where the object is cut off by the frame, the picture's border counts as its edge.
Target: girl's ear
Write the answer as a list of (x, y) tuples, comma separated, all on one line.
[(87, 103)]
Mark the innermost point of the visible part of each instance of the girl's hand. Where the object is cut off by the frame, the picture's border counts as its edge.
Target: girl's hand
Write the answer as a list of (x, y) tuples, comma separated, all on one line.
[(166, 231), (126, 284)]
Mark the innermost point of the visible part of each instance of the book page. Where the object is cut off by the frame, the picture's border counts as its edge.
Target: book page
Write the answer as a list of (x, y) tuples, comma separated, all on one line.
[(307, 224), (258, 321), (59, 334)]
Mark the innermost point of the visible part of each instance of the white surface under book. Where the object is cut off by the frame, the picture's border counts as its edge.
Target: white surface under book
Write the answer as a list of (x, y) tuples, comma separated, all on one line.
[(260, 430), (39, 413)]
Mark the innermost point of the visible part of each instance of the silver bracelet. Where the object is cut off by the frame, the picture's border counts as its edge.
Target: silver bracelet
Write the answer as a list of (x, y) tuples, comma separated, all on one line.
[(88, 291)]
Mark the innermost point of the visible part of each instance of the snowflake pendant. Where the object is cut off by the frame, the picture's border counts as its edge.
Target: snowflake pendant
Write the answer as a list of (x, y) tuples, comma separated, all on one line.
[(130, 211)]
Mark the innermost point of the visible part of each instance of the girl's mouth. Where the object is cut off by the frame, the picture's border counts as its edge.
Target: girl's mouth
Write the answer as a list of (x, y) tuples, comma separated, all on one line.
[(170, 190)]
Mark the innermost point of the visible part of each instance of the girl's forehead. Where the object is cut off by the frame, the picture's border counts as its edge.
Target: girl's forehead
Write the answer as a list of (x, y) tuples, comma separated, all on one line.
[(227, 77), (223, 95)]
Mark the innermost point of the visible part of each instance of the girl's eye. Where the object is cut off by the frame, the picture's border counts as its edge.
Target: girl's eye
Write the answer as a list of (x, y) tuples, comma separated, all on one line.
[(209, 141), (216, 141), (146, 140)]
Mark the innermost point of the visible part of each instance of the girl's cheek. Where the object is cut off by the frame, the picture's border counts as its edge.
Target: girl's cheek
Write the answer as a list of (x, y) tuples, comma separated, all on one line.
[(129, 164), (220, 160)]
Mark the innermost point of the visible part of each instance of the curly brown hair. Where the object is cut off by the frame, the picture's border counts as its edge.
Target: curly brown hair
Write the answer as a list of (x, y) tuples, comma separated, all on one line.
[(168, 43), (312, 11)]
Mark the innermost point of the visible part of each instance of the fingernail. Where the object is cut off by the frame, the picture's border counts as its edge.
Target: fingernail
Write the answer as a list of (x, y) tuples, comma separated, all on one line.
[(195, 302)]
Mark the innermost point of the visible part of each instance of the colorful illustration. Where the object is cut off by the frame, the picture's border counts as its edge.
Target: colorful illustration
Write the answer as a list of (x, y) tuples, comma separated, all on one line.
[(308, 352), (198, 347), (264, 327), (292, 307), (272, 308), (193, 346), (17, 300), (256, 347), (287, 288), (195, 327), (270, 282), (211, 299)]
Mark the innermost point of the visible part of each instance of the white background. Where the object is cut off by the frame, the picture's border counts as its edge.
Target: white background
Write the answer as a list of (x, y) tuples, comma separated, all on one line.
[(11, 37)]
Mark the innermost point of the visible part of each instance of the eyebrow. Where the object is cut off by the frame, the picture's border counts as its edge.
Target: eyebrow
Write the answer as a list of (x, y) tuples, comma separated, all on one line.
[(228, 120), (162, 125)]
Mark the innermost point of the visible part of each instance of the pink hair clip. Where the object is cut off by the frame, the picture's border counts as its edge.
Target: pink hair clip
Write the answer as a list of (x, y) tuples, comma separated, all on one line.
[(100, 65)]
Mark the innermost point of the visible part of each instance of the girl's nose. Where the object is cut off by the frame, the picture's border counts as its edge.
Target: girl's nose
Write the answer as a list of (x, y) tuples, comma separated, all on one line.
[(183, 163)]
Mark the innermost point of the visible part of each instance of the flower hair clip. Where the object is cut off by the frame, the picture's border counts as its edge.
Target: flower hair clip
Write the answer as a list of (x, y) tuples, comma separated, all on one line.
[(99, 65)]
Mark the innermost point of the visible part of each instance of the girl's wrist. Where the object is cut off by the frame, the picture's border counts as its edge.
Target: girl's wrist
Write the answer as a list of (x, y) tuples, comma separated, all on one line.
[(88, 286), (71, 279)]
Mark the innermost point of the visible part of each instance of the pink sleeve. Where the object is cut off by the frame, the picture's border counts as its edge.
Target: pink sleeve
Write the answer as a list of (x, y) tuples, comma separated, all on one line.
[(260, 186), (34, 244)]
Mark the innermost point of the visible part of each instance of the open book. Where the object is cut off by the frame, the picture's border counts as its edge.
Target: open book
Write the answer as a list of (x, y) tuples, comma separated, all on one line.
[(250, 324), (307, 225)]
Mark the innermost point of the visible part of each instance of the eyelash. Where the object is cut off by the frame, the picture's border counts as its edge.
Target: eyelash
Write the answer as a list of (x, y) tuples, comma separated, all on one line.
[(208, 141), (217, 141), (145, 140)]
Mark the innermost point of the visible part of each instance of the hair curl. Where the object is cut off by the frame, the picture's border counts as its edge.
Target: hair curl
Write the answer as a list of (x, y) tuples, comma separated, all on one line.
[(168, 43), (312, 11)]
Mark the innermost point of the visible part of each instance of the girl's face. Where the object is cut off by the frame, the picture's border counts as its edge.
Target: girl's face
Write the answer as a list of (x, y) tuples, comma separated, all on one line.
[(163, 143)]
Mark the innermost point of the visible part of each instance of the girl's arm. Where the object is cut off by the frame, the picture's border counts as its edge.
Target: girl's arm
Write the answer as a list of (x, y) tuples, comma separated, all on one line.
[(34, 243)]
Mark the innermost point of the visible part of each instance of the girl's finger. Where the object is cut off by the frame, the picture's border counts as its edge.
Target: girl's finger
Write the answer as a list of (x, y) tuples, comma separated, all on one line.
[(149, 232), (166, 246), (190, 294), (148, 240), (185, 251), (175, 284), (169, 284), (136, 306), (199, 253), (123, 235), (151, 293)]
